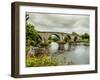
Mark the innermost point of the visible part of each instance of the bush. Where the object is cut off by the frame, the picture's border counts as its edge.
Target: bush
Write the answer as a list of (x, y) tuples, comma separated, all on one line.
[(40, 61), (44, 44), (49, 41), (32, 36)]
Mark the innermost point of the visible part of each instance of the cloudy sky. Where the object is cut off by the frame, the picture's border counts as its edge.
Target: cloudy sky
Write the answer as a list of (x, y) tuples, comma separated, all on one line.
[(60, 22)]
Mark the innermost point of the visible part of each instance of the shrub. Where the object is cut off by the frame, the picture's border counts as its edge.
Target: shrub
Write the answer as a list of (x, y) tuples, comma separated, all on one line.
[(40, 61), (44, 44)]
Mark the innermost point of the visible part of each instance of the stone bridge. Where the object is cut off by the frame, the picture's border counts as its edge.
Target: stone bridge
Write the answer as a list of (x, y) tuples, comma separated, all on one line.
[(46, 35)]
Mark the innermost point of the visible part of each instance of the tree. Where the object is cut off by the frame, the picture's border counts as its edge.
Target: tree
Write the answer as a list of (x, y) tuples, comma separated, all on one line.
[(32, 37), (85, 36), (27, 17)]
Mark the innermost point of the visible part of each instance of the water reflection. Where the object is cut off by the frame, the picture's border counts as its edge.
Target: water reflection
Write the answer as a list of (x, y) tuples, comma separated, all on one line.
[(77, 55)]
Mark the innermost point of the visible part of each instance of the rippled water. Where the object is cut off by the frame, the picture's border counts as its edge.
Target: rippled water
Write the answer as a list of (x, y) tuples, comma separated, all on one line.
[(77, 55)]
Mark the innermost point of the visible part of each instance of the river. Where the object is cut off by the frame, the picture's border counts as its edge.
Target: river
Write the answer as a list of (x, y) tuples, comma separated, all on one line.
[(78, 54)]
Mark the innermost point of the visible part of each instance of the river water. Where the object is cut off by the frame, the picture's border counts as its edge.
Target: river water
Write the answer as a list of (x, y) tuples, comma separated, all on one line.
[(78, 54)]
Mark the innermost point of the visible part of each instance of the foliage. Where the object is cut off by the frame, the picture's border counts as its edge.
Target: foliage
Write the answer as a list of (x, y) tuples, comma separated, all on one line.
[(65, 39), (27, 49), (27, 17), (85, 37), (74, 34), (44, 44), (54, 37), (49, 41), (40, 61), (32, 37), (75, 38)]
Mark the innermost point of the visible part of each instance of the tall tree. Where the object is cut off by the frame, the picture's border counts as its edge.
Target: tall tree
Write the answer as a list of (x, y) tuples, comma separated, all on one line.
[(32, 37)]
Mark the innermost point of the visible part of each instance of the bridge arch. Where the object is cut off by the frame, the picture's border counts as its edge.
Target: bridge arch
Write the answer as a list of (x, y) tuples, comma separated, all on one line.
[(54, 37)]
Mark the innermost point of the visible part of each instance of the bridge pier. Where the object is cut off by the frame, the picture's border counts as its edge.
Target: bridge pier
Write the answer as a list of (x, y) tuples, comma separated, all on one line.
[(69, 46), (61, 46)]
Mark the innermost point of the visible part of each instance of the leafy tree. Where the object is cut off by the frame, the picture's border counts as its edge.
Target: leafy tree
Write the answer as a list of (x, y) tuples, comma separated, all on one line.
[(85, 36), (27, 17), (32, 37)]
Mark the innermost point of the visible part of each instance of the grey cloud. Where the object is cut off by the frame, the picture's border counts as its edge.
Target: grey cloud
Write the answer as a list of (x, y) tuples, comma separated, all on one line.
[(60, 22)]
